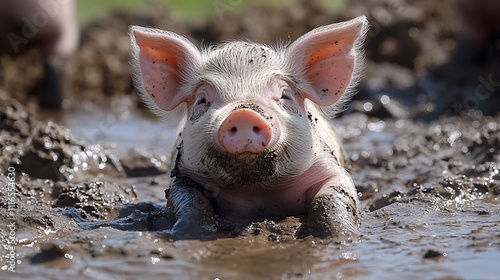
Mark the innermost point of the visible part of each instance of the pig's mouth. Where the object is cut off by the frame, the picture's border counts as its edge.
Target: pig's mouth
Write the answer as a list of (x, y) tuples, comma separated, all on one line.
[(247, 156), (243, 168)]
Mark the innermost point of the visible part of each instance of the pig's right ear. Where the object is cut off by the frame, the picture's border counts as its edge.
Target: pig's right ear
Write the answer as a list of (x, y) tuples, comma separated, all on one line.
[(163, 61), (327, 59)]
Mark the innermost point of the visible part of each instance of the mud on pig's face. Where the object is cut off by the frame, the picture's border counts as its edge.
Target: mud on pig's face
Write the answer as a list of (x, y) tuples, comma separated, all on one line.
[(245, 105), (242, 118)]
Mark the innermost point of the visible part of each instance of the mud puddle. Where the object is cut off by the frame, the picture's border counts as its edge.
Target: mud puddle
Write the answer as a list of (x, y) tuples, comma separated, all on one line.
[(120, 127), (430, 210)]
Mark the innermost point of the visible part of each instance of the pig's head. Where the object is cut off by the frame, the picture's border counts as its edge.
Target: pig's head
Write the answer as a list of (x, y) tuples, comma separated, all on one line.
[(244, 106)]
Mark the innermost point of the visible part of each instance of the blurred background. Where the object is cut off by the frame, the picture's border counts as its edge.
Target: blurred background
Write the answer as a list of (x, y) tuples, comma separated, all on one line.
[(421, 60)]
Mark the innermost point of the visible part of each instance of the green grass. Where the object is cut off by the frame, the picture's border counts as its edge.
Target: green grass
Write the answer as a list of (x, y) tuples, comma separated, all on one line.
[(91, 9), (186, 9)]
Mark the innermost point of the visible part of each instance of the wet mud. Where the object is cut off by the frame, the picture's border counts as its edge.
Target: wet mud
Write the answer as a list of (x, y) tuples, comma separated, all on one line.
[(85, 187)]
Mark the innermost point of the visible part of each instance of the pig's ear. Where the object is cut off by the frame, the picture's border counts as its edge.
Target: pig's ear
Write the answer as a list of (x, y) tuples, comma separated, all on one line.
[(327, 59), (163, 62)]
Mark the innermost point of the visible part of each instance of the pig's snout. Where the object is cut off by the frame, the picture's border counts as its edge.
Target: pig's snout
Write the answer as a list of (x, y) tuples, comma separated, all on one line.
[(244, 130)]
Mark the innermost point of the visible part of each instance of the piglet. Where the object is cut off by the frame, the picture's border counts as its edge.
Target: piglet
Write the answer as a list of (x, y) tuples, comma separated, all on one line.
[(255, 141)]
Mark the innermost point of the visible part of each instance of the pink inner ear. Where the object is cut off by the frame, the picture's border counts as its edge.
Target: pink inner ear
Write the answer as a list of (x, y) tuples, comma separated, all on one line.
[(330, 68), (160, 75), (161, 57), (328, 56)]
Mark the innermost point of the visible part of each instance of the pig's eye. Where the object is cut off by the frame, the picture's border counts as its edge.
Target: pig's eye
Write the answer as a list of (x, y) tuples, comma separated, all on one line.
[(200, 107), (286, 95), (201, 100)]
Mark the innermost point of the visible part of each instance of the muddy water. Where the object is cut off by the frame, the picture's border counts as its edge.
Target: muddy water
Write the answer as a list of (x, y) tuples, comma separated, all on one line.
[(430, 194)]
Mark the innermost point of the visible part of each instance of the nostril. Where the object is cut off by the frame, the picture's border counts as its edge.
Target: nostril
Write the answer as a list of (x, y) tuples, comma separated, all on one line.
[(245, 130)]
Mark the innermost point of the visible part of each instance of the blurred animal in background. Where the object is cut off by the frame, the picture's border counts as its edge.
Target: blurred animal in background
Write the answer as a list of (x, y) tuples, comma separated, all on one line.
[(48, 25)]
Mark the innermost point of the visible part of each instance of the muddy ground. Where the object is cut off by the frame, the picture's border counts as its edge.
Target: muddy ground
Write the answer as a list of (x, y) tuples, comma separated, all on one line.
[(88, 181)]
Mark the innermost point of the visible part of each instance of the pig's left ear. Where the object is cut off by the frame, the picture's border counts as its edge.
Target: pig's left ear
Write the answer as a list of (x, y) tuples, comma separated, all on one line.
[(326, 59), (163, 61)]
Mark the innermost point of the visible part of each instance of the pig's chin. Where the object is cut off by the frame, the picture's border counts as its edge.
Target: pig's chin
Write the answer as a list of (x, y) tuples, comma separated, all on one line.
[(244, 168), (247, 157)]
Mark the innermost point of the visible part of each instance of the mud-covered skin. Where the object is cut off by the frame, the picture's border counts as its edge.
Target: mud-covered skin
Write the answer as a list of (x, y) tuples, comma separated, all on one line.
[(192, 209), (333, 214), (331, 206)]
